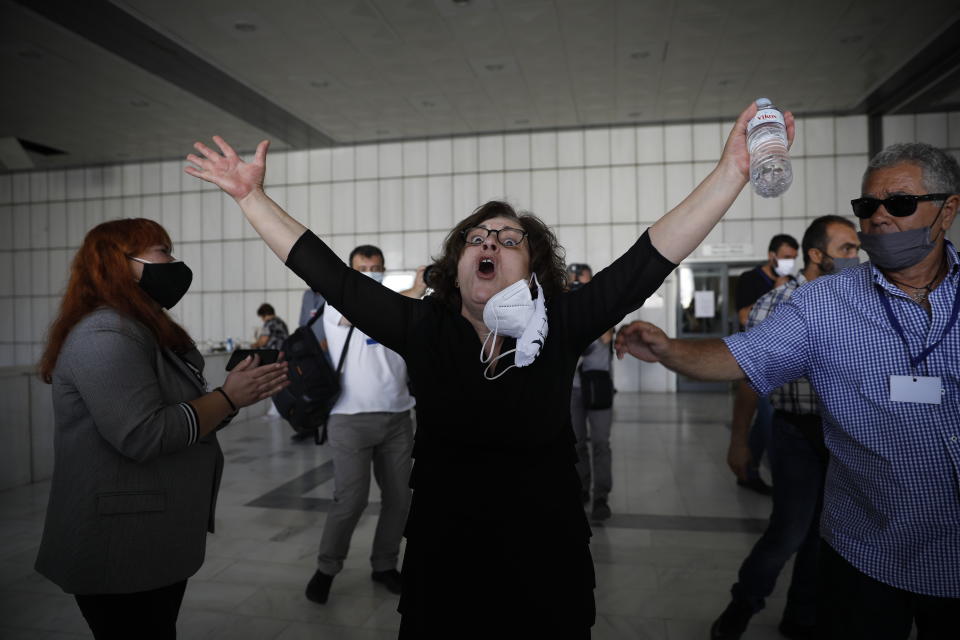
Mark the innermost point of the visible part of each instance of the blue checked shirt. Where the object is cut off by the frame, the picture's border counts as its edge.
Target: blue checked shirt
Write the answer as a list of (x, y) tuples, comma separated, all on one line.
[(796, 396), (892, 494)]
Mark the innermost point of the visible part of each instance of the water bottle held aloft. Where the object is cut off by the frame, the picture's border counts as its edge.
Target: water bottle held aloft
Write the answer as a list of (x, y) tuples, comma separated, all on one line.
[(770, 170)]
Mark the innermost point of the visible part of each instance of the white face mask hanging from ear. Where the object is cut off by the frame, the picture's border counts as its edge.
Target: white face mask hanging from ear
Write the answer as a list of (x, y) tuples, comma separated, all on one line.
[(514, 312)]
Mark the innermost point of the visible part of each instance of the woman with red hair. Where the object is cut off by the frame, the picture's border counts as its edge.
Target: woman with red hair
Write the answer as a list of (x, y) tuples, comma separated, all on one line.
[(137, 463)]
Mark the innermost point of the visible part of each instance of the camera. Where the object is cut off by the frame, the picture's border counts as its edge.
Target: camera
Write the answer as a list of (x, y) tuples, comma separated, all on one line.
[(429, 275)]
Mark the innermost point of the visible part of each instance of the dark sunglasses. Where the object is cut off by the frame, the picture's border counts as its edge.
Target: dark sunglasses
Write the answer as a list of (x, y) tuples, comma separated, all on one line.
[(897, 206)]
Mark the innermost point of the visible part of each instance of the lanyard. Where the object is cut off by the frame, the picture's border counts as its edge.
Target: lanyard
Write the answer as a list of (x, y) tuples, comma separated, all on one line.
[(917, 361)]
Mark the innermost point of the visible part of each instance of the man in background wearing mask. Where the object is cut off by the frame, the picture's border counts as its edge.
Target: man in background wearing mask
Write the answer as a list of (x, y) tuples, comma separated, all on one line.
[(369, 424), (779, 269), (798, 461), (594, 465), (880, 345)]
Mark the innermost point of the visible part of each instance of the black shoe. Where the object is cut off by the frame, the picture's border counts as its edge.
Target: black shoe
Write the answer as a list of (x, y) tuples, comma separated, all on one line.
[(796, 631), (756, 484), (390, 579), (732, 622), (318, 589), (601, 511)]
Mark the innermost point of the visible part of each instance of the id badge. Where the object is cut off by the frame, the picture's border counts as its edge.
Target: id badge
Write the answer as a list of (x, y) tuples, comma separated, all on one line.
[(920, 389)]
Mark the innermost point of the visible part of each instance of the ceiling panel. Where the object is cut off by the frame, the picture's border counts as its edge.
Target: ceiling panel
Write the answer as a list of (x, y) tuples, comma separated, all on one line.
[(388, 69), (66, 93)]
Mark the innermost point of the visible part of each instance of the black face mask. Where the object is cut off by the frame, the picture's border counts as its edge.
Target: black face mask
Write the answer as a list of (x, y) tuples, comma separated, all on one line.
[(165, 282)]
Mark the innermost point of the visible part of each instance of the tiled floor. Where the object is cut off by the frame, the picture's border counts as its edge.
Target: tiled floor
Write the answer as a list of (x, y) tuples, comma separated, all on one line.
[(665, 562)]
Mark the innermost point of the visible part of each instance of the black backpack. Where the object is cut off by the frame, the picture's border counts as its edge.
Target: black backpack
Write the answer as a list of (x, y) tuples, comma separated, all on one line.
[(314, 384)]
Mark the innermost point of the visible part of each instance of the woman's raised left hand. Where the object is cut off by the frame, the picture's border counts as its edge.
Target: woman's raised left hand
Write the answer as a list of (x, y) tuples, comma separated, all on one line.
[(735, 153)]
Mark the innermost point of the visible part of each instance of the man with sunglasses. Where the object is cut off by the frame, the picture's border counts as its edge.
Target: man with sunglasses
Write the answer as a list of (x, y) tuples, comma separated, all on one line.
[(880, 344), (797, 461)]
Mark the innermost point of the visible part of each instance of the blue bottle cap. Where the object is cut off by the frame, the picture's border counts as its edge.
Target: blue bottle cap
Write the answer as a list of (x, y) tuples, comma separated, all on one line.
[(763, 103)]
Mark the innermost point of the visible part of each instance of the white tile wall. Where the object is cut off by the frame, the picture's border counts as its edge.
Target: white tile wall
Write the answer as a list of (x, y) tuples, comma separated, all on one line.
[(319, 163), (6, 275), (597, 147), (517, 189), (818, 136), (6, 188), (298, 167), (543, 150), (414, 158), (678, 142), (623, 146), (570, 148), (490, 153), (599, 187), (391, 160), (516, 150), (21, 187), (440, 156), (6, 227), (465, 155)]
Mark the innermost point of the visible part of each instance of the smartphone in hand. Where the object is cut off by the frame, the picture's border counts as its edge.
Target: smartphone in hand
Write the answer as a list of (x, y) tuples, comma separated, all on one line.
[(267, 356)]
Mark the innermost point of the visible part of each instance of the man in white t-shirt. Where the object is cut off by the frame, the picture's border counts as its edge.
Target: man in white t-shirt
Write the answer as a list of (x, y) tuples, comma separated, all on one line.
[(370, 423)]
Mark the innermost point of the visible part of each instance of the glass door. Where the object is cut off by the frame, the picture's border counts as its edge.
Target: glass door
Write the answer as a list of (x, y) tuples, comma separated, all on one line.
[(704, 311)]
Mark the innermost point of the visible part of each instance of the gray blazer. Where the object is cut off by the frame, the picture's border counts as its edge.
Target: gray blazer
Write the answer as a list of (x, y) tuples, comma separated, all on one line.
[(133, 491)]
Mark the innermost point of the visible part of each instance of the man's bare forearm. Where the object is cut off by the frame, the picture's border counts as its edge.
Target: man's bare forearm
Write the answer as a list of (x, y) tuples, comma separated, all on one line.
[(744, 406), (702, 359)]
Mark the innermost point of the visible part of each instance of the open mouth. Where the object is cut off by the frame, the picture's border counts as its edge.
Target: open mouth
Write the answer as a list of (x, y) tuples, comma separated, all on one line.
[(486, 268)]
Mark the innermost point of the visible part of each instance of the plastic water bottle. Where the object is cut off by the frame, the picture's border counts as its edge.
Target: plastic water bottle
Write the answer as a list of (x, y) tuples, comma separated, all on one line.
[(770, 170), (229, 345)]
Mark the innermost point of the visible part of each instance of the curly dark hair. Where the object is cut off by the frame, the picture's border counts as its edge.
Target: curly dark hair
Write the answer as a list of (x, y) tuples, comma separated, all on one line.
[(547, 257)]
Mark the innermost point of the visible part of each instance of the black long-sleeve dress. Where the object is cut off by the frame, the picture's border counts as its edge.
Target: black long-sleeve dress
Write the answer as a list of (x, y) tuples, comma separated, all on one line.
[(496, 530)]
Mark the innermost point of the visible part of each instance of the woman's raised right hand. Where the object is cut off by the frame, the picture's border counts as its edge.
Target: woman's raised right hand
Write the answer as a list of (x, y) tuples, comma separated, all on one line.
[(227, 170), (249, 383)]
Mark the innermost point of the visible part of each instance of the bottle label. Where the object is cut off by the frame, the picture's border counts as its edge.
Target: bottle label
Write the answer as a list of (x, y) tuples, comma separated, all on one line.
[(763, 116)]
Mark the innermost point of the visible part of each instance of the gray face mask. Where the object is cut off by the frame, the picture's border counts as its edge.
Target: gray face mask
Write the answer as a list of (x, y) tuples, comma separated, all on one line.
[(831, 265), (901, 249)]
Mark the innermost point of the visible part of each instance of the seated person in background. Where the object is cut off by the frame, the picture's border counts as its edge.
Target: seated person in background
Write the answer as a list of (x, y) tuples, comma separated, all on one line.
[(274, 330)]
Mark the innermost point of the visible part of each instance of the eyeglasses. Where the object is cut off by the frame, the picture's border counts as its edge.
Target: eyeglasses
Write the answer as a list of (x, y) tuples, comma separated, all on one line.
[(507, 237), (142, 261), (897, 206)]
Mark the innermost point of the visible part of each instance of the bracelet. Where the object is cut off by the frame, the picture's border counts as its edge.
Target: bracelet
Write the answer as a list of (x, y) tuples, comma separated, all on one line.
[(233, 407)]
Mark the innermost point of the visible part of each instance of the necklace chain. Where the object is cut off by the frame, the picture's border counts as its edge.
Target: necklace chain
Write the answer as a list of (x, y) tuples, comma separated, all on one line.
[(920, 294)]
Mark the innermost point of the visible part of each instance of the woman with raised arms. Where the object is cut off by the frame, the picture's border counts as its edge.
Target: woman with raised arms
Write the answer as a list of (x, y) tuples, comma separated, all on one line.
[(497, 539)]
